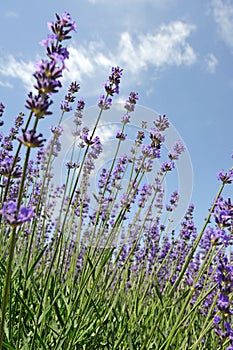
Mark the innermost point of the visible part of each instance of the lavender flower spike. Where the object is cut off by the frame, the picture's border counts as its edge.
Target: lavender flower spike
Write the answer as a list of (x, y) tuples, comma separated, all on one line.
[(16, 217), (31, 139), (226, 177)]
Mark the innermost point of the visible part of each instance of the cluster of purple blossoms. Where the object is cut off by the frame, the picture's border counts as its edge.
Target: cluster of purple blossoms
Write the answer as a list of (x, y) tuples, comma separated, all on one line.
[(104, 103), (226, 177), (223, 214), (7, 141), (31, 139), (176, 150), (14, 216), (150, 152), (221, 234), (78, 115), (6, 164), (162, 123), (222, 321), (131, 101), (112, 85), (121, 136), (70, 97), (167, 166), (174, 199), (48, 72), (157, 138)]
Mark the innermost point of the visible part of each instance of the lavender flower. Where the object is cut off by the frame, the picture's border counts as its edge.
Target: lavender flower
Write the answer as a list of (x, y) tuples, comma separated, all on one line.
[(112, 85), (162, 123), (15, 217), (176, 150), (57, 130), (65, 107), (31, 139), (39, 105), (226, 177), (125, 119), (167, 166), (6, 168), (121, 136), (80, 104), (131, 101), (74, 88), (223, 214), (225, 284), (63, 26), (150, 152), (104, 103), (156, 138)]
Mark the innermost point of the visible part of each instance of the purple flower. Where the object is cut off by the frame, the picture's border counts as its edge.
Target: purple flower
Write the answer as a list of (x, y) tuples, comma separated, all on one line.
[(48, 69), (74, 87), (38, 105), (167, 166), (31, 139), (150, 152), (57, 130), (6, 168), (46, 85), (65, 107), (161, 123), (131, 101), (121, 136), (125, 118), (223, 214), (112, 85), (226, 177), (80, 104), (16, 217), (104, 103), (51, 39), (176, 150), (63, 26), (96, 147), (156, 138)]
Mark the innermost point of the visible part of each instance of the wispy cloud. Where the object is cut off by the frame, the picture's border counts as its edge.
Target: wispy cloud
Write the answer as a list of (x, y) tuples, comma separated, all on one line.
[(136, 54), (11, 14), (211, 62), (223, 14), (13, 68), (6, 84), (167, 47)]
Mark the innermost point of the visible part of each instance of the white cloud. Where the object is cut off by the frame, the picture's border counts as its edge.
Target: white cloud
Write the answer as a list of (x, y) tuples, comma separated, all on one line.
[(223, 14), (211, 63), (6, 84), (22, 70), (167, 47)]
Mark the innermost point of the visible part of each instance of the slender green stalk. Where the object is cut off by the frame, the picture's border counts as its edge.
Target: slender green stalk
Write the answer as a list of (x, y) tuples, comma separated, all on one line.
[(196, 243), (7, 283)]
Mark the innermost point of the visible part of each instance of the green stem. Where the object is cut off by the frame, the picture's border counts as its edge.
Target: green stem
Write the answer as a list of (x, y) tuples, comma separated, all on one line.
[(7, 284), (192, 251)]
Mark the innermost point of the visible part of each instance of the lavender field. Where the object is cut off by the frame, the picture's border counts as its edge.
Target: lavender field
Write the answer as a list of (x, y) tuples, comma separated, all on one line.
[(100, 267)]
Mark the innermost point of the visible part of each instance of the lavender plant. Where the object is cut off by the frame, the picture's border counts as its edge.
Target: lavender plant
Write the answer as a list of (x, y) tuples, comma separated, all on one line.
[(103, 270)]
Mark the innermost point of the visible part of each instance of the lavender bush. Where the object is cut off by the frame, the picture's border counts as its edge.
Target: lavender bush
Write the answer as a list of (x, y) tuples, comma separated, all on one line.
[(108, 275)]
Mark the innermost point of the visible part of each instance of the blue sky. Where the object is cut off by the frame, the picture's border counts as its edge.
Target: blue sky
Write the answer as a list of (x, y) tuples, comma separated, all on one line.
[(177, 54)]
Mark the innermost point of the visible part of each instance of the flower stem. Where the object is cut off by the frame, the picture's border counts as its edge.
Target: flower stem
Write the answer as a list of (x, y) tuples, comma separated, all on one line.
[(7, 284)]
